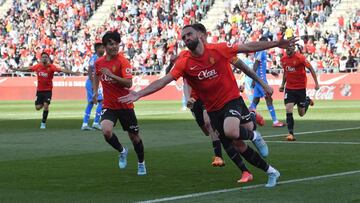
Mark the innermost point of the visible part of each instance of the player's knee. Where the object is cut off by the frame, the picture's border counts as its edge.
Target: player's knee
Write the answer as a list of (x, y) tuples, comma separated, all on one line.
[(240, 146), (107, 133), (231, 133)]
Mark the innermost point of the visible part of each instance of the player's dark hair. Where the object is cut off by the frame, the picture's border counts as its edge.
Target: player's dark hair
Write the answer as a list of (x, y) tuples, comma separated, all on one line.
[(264, 39), (97, 45), (187, 26), (199, 27), (111, 35), (42, 53)]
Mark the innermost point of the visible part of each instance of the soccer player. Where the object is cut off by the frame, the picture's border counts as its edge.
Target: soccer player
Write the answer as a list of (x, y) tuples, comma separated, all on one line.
[(114, 72), (207, 70), (45, 73), (198, 111), (260, 67), (294, 81), (99, 51)]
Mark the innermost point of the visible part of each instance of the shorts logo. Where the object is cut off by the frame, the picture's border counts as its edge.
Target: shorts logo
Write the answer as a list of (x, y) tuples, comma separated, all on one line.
[(128, 70), (234, 112), (103, 111)]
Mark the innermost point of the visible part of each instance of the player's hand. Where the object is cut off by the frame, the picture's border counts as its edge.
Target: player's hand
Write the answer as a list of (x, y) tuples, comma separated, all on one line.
[(173, 58), (107, 72), (268, 90), (281, 89), (317, 86), (275, 74), (94, 98), (241, 88), (253, 84), (190, 103), (130, 98), (285, 43)]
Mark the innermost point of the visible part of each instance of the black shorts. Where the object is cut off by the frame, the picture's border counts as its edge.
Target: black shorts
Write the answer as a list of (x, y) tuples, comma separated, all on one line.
[(234, 108), (297, 97), (198, 112), (43, 97), (126, 117)]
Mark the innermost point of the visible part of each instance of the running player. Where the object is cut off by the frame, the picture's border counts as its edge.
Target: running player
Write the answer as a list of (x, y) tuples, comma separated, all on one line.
[(294, 81), (45, 73), (207, 70), (114, 72), (260, 67), (99, 51)]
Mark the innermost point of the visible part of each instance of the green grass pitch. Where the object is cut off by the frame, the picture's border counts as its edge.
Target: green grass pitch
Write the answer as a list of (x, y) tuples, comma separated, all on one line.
[(65, 164)]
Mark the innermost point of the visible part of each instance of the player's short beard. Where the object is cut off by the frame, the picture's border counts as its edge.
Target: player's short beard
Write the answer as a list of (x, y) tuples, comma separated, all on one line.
[(193, 44)]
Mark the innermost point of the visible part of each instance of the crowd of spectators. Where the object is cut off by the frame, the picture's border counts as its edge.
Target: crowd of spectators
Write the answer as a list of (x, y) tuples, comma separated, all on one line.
[(32, 26), (150, 31), (329, 51)]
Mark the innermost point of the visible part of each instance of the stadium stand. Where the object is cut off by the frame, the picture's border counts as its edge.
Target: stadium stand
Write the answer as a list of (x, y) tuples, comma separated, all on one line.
[(150, 30)]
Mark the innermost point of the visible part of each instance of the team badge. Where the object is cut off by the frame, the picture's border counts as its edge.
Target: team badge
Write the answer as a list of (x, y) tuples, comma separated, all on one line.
[(114, 69), (212, 60)]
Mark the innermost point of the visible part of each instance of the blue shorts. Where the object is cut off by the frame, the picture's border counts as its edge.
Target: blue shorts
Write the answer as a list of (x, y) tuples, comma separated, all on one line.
[(89, 91), (258, 91)]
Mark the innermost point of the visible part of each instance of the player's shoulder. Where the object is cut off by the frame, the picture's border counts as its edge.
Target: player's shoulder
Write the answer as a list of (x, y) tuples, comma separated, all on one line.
[(100, 60), (220, 45)]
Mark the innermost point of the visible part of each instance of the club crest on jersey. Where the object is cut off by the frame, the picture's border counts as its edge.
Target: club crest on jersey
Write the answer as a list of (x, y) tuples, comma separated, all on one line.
[(212, 60), (113, 68)]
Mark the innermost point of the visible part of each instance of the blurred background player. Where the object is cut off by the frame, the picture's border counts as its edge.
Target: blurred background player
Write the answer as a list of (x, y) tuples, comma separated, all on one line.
[(260, 67), (294, 81), (45, 73), (99, 51), (115, 73)]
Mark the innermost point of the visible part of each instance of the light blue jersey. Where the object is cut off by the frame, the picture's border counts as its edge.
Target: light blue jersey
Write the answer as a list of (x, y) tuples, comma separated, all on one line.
[(260, 56), (248, 81), (88, 84)]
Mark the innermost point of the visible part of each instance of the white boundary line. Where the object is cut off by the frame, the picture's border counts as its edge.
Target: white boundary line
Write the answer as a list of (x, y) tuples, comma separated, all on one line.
[(304, 142), (316, 131), (249, 187)]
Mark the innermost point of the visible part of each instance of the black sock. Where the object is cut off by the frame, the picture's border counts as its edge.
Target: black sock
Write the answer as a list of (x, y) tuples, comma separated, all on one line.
[(45, 115), (246, 134), (114, 142), (254, 158), (217, 148), (290, 123), (253, 119), (139, 149), (233, 154), (307, 103)]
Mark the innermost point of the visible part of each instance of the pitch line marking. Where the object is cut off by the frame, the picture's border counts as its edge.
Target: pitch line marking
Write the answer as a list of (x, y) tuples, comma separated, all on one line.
[(304, 142), (316, 131), (249, 187)]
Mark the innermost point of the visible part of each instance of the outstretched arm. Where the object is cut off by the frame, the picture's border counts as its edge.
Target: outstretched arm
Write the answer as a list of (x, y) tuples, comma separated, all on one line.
[(313, 74), (25, 69), (153, 87), (64, 70), (262, 45), (248, 71), (95, 86), (282, 86)]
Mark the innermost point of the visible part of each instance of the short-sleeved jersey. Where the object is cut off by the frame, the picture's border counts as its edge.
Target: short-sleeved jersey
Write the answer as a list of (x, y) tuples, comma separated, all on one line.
[(210, 74), (92, 61), (45, 75), (121, 67), (261, 56), (294, 70)]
